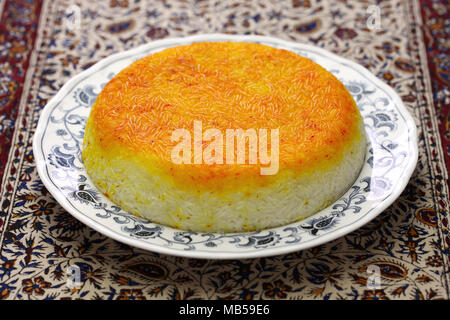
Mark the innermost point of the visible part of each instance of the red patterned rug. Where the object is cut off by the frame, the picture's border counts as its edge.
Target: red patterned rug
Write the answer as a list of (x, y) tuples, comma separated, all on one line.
[(18, 27), (436, 23)]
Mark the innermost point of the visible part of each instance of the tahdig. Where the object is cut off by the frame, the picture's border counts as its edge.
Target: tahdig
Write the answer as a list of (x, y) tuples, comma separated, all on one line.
[(127, 148)]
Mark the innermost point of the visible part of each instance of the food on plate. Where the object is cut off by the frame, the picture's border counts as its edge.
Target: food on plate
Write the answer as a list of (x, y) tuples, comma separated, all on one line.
[(224, 137)]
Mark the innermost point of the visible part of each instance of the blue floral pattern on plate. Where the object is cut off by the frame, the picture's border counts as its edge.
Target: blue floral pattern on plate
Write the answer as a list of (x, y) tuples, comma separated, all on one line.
[(390, 159)]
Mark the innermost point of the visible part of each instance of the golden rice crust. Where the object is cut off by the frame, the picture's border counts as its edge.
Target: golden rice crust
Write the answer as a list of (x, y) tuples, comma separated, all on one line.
[(225, 85)]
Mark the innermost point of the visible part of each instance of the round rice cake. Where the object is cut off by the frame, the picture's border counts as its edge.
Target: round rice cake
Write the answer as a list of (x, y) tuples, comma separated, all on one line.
[(128, 148)]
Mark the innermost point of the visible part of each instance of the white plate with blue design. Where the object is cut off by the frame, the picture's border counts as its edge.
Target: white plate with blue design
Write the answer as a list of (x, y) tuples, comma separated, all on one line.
[(390, 160)]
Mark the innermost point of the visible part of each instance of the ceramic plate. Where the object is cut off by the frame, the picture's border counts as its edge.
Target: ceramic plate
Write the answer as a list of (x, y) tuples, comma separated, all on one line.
[(390, 160)]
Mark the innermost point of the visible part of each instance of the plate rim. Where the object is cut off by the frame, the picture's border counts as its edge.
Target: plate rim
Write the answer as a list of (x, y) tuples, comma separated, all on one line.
[(41, 162)]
